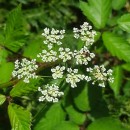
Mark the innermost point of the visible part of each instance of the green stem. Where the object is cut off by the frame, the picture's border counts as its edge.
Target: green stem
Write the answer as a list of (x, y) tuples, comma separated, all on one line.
[(10, 83)]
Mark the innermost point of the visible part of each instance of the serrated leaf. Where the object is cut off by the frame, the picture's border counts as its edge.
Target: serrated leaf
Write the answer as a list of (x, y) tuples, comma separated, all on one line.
[(80, 95), (66, 125), (117, 46), (118, 78), (106, 123), (53, 117), (22, 88), (6, 72), (12, 21), (20, 118), (97, 11), (75, 116), (118, 4), (2, 99), (14, 30), (124, 22)]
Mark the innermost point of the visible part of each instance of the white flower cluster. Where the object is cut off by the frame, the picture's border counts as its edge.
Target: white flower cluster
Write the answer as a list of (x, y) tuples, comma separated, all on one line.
[(55, 52), (48, 56), (50, 93), (100, 74), (57, 72), (86, 34), (83, 56), (73, 77), (53, 36), (80, 57), (65, 54), (25, 69)]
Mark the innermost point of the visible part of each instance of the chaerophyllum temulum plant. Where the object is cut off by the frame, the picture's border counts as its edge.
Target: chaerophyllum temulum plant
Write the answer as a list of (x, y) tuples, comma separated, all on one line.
[(48, 83), (68, 64), (63, 79)]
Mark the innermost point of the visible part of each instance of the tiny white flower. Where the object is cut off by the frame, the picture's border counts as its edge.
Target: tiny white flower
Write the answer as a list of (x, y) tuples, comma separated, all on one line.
[(73, 77), (85, 33), (100, 74), (57, 72), (50, 93), (65, 54), (25, 69), (53, 36), (83, 56), (50, 56)]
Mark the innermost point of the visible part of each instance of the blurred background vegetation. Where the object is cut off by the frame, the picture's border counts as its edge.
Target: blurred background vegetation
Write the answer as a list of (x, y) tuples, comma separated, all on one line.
[(41, 13)]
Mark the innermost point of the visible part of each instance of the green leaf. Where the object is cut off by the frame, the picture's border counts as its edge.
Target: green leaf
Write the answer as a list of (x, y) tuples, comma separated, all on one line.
[(97, 11), (2, 99), (80, 95), (22, 88), (117, 46), (126, 89), (124, 22), (20, 118), (126, 66), (6, 72), (2, 39), (97, 36), (66, 125), (75, 116), (3, 55), (14, 30), (53, 117), (118, 4), (99, 107), (33, 48), (106, 123), (118, 78)]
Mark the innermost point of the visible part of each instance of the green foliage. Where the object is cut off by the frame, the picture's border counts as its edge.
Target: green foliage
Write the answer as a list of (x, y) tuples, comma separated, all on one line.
[(126, 66), (22, 88), (6, 72), (81, 98), (14, 30), (106, 123), (75, 116), (86, 107), (2, 99), (97, 11), (117, 45), (34, 47), (66, 125), (98, 106), (118, 4), (53, 117), (124, 22), (3, 55), (126, 89), (118, 78), (20, 118)]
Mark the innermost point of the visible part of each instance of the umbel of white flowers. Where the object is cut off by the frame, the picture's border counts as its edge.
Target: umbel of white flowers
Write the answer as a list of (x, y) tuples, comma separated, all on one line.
[(25, 70), (50, 93), (53, 39)]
